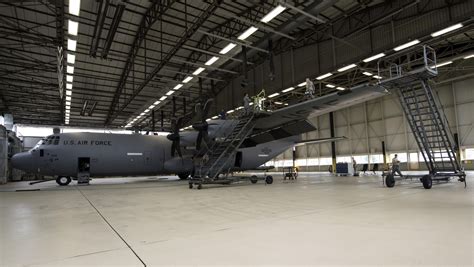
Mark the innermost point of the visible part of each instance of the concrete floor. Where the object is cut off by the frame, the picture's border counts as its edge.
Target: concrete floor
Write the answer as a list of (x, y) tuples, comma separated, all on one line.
[(318, 220)]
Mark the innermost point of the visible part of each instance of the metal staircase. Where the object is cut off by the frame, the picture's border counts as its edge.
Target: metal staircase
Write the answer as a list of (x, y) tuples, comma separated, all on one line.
[(218, 159), (424, 113)]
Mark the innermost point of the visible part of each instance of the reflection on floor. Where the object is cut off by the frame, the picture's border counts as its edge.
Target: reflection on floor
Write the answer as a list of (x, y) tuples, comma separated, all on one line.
[(316, 220)]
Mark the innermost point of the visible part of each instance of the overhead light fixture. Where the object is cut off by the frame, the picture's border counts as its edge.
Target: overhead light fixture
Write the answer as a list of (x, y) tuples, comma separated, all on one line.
[(187, 79), (71, 44), (340, 88), (178, 86), (227, 48), (323, 76), (288, 89), (377, 77), (71, 58), (403, 46), (247, 33), (301, 84), (72, 27), (163, 98), (215, 117), (366, 73), (68, 92), (278, 103), (142, 114), (68, 103), (69, 78), (157, 102), (70, 69), (69, 86), (170, 92), (272, 14), (348, 67), (470, 56), (330, 85), (230, 111), (147, 110), (446, 30), (67, 122), (374, 57), (211, 61), (68, 98), (151, 107), (273, 95), (442, 64), (74, 7), (199, 70)]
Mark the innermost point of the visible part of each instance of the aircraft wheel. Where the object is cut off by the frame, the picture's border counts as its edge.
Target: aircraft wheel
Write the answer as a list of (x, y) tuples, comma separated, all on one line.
[(190, 186), (427, 181), (254, 179), (390, 180), (199, 186), (63, 180), (269, 179), (183, 176)]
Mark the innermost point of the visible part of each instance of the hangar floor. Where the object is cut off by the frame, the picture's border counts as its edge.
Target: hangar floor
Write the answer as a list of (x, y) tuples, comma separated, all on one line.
[(318, 220)]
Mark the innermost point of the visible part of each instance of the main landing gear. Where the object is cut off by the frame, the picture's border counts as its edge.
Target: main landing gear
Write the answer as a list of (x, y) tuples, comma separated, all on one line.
[(63, 180)]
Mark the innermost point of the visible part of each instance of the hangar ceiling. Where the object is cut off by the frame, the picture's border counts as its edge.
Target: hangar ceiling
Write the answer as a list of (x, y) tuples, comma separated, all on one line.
[(129, 54)]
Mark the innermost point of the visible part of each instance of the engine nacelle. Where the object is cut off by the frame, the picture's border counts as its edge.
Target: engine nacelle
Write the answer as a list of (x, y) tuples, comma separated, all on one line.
[(179, 165)]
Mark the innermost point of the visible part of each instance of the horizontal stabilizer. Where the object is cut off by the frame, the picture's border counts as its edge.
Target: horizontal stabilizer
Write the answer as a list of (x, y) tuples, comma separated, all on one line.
[(320, 140)]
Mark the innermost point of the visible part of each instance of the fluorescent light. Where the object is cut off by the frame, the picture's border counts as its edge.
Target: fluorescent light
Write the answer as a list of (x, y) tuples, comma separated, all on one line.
[(178, 86), (74, 7), (301, 84), (323, 76), (68, 92), (72, 27), (187, 79), (151, 106), (170, 92), (68, 98), (442, 64), (373, 57), (70, 69), (215, 117), (272, 14), (71, 44), (230, 111), (208, 119), (348, 67), (211, 61), (227, 48), (69, 78), (377, 77), (247, 33), (241, 107), (330, 85), (367, 73), (69, 86), (278, 103), (68, 103), (288, 89), (163, 98), (199, 70), (273, 95), (403, 46), (470, 56), (146, 110), (67, 122), (340, 88), (446, 30), (142, 114), (71, 58), (157, 102)]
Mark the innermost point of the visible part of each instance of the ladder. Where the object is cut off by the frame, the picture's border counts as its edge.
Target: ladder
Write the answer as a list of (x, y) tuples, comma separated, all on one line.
[(431, 129), (220, 155)]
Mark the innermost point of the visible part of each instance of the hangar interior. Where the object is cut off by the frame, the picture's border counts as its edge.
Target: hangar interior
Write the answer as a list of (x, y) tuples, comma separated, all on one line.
[(136, 66)]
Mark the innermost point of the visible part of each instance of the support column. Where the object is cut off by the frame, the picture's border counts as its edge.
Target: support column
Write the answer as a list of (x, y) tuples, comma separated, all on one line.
[(333, 144)]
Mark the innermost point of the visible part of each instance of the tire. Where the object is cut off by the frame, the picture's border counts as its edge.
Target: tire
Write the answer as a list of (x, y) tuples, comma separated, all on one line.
[(390, 180), (63, 180), (183, 176), (427, 181), (269, 179), (199, 186), (254, 179), (190, 186)]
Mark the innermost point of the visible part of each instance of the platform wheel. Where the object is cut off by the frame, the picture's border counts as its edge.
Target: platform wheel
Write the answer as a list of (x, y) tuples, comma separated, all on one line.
[(269, 179), (254, 179), (427, 181), (199, 186), (63, 180), (390, 180)]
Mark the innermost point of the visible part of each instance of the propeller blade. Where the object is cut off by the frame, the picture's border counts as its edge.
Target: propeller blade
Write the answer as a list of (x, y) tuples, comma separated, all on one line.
[(173, 148), (178, 149)]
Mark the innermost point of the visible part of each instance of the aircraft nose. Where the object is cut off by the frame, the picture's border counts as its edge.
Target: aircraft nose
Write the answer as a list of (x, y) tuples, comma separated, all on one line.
[(21, 161)]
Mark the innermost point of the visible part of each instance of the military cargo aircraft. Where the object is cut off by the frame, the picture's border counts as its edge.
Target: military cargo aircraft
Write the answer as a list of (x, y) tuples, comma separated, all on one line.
[(68, 155)]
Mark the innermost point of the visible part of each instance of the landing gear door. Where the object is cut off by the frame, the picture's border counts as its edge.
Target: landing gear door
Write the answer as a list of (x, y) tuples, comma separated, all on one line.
[(83, 170)]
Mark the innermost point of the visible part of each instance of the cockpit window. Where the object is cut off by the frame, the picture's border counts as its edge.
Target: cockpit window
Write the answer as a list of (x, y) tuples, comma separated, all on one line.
[(56, 140)]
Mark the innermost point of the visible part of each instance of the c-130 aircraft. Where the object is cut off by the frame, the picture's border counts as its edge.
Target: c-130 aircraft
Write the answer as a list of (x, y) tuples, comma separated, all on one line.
[(255, 140)]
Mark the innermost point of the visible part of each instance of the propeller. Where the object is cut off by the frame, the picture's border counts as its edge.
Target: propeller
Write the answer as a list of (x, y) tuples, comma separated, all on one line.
[(200, 124), (175, 138)]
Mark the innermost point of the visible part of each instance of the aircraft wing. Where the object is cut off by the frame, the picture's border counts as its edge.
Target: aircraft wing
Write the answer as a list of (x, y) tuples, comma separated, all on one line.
[(320, 105), (320, 140)]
